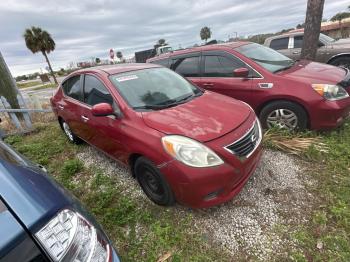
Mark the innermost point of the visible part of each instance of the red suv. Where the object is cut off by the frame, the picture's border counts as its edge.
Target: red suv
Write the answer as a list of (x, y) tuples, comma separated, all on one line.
[(283, 93), (181, 143)]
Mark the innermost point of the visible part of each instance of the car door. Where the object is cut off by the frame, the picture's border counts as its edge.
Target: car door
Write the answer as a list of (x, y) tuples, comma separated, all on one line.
[(104, 132), (281, 45), (297, 44), (70, 104), (187, 66), (217, 76)]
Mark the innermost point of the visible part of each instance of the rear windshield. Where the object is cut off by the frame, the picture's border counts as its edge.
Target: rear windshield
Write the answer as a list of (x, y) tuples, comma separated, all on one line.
[(268, 58), (153, 87)]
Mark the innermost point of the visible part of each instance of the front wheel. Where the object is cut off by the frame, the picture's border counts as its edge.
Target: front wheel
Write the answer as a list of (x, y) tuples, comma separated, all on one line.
[(153, 182), (284, 115), (341, 61)]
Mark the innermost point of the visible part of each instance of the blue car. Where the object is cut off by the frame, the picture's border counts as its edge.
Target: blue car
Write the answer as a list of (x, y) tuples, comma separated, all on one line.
[(41, 221)]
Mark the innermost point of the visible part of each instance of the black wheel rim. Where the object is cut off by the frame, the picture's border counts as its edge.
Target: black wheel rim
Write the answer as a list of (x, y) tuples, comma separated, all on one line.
[(151, 183)]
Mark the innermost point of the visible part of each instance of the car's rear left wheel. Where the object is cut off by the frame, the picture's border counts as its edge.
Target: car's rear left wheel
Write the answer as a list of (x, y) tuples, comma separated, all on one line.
[(69, 133), (153, 182), (341, 61)]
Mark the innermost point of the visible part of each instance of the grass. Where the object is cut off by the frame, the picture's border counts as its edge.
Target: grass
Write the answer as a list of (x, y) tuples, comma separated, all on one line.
[(45, 86), (327, 236), (28, 84), (139, 233)]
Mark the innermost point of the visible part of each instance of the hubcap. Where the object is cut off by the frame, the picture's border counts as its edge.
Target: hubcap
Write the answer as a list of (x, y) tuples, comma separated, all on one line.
[(67, 131), (282, 118)]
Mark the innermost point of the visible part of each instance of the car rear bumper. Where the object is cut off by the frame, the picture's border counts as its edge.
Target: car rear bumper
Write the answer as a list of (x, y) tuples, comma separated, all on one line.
[(330, 114)]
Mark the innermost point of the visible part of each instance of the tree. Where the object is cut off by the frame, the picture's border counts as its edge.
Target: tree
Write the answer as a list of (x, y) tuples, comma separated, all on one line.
[(38, 40), (312, 29), (8, 87), (97, 60), (205, 33), (119, 55), (161, 42), (339, 17)]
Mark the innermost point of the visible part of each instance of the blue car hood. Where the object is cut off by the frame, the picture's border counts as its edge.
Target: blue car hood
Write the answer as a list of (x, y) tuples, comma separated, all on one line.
[(32, 195)]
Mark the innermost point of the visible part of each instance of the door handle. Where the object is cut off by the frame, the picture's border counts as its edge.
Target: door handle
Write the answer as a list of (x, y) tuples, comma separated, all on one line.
[(85, 119), (61, 107), (208, 84)]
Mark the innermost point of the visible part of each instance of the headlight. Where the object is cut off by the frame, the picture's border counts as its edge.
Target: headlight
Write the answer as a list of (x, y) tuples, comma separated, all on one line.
[(70, 237), (190, 152), (330, 92)]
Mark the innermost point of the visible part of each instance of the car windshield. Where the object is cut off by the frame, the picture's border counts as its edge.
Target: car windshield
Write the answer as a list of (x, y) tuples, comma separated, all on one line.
[(154, 88), (326, 38), (268, 58)]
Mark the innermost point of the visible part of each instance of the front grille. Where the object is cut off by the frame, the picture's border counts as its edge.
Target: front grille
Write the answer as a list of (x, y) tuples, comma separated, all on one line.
[(246, 145)]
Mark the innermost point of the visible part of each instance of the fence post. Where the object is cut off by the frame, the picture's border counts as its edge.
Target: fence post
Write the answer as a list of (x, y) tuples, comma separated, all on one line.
[(26, 116), (13, 116)]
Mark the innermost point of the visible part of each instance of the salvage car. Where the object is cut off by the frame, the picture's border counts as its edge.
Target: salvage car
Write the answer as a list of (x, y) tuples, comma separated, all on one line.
[(181, 143), (41, 221), (284, 93), (330, 51)]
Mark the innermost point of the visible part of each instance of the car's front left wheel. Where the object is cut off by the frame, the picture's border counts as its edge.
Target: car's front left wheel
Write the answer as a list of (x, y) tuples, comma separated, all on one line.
[(153, 182)]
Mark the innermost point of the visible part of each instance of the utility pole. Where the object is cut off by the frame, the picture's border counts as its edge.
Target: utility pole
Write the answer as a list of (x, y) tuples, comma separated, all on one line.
[(8, 88), (312, 29)]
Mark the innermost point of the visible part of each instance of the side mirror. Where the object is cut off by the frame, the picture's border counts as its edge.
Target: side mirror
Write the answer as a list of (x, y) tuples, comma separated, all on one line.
[(241, 72), (102, 109)]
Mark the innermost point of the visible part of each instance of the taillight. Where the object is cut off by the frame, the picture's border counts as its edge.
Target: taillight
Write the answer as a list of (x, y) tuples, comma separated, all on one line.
[(70, 237)]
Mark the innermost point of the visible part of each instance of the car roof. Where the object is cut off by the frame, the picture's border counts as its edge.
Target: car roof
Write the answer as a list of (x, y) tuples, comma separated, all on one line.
[(118, 68), (201, 48)]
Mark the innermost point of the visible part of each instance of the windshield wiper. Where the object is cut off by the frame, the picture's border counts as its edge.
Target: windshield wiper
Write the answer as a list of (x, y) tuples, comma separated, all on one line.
[(285, 68), (155, 107)]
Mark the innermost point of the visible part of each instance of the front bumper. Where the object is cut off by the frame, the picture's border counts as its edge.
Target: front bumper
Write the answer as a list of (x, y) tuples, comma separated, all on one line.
[(205, 187), (329, 114)]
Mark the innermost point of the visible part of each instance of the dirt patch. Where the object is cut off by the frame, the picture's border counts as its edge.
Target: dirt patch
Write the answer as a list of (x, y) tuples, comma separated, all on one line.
[(250, 225)]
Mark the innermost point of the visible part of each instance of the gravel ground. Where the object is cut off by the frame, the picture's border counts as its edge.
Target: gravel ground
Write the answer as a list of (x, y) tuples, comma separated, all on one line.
[(253, 224)]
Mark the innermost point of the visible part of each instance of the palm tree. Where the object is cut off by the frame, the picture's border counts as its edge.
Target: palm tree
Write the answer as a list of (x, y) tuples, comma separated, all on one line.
[(161, 42), (120, 55), (205, 33), (38, 40)]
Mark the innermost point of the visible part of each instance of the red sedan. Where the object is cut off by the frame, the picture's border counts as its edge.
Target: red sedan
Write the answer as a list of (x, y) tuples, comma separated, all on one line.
[(181, 143), (284, 93)]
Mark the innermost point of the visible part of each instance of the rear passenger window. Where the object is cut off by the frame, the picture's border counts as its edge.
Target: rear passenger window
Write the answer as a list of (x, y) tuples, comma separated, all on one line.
[(281, 43), (71, 87), (95, 92), (186, 66), (298, 41), (162, 62), (219, 66)]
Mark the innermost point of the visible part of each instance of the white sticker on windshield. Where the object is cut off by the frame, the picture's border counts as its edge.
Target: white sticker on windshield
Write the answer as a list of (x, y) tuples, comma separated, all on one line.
[(126, 78)]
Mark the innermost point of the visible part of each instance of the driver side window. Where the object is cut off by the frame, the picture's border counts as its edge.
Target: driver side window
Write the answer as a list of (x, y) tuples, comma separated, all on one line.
[(95, 92)]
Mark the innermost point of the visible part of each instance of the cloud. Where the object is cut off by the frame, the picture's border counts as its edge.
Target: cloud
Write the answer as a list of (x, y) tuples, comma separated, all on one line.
[(85, 29)]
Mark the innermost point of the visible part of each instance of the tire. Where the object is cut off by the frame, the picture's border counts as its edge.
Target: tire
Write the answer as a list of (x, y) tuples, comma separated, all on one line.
[(69, 134), (341, 61), (153, 182), (284, 115)]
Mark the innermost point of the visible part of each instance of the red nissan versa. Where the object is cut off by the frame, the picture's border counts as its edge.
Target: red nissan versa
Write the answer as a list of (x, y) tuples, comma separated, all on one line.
[(284, 93), (181, 143)]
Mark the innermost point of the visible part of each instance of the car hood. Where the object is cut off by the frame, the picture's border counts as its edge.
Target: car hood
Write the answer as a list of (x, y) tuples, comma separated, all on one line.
[(341, 43), (314, 73), (204, 118)]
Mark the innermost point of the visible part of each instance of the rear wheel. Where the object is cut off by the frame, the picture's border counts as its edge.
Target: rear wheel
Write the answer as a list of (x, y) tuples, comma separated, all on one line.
[(341, 61), (68, 132), (153, 182), (284, 115)]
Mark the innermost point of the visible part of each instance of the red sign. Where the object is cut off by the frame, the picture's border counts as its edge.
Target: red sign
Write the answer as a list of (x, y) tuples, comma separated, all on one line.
[(111, 53)]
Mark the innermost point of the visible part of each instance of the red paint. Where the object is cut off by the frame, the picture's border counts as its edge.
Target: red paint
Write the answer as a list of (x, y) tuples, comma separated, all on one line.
[(102, 109), (293, 85), (213, 119)]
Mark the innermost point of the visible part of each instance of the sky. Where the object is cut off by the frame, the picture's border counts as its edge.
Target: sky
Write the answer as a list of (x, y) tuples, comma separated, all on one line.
[(89, 28)]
